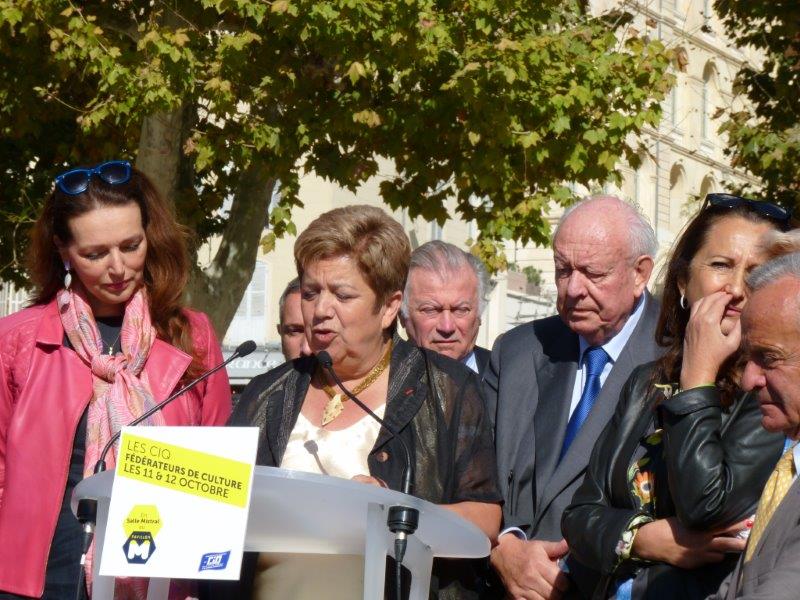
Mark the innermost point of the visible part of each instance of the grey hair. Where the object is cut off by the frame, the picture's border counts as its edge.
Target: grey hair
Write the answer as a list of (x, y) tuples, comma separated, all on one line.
[(441, 257), (641, 235), (291, 287), (786, 265)]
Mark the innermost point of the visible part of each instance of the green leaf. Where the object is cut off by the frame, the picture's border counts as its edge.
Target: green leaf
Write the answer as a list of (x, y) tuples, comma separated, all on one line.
[(561, 124)]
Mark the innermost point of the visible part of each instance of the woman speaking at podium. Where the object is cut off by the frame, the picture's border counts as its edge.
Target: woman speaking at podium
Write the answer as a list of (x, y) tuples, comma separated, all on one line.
[(353, 263), (105, 338)]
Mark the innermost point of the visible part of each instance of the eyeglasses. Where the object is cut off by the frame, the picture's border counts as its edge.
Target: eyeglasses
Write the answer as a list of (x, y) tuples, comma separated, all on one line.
[(76, 181), (765, 209)]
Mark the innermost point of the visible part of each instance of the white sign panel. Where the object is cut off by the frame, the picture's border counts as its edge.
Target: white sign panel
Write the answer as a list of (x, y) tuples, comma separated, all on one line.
[(180, 502)]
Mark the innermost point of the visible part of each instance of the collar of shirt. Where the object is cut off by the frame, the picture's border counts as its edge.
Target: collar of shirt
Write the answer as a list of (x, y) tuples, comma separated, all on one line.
[(614, 346), (471, 361), (795, 453)]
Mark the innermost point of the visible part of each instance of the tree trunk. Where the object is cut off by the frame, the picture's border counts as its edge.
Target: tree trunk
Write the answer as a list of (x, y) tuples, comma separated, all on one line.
[(218, 289), (160, 148)]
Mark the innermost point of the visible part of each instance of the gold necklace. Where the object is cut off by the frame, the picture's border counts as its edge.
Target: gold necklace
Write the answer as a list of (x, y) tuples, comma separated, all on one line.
[(335, 404)]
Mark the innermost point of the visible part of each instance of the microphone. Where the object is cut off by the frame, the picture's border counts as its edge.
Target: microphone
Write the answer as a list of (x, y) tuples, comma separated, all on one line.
[(408, 474), (87, 509), (402, 520), (242, 349)]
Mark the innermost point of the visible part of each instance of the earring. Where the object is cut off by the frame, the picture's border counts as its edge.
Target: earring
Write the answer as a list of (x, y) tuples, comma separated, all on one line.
[(68, 275), (683, 302)]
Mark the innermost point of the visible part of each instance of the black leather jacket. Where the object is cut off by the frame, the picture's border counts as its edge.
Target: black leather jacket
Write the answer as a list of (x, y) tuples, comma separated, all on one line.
[(716, 461)]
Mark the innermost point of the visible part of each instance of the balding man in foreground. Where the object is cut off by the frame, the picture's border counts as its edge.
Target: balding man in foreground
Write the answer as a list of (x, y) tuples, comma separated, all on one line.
[(553, 384), (770, 565), (443, 301)]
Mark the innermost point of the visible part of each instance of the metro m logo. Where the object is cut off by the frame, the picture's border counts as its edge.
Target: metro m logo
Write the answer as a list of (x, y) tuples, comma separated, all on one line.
[(139, 547), (135, 550)]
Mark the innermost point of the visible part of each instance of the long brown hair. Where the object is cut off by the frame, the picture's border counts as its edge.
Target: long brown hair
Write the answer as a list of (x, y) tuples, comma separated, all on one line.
[(166, 269), (673, 318)]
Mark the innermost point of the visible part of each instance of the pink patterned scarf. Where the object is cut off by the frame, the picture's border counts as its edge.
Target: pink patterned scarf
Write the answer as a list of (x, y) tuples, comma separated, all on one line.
[(120, 394)]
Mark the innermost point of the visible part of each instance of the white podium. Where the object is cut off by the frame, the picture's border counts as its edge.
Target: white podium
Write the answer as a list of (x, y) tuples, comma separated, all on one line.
[(295, 512)]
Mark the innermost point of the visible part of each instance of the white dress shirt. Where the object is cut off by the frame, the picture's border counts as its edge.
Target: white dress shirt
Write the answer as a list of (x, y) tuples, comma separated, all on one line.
[(613, 348)]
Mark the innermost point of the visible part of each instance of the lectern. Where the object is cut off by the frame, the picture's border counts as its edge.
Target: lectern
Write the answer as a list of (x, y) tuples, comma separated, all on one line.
[(295, 512)]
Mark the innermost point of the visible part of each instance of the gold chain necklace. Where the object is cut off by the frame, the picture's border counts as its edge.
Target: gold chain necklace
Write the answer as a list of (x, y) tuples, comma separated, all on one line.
[(335, 404)]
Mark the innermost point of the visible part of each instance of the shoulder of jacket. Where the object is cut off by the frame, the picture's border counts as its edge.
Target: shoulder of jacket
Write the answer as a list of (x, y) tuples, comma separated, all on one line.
[(18, 333), (535, 331), (23, 322), (643, 373), (299, 365), (454, 369), (196, 317)]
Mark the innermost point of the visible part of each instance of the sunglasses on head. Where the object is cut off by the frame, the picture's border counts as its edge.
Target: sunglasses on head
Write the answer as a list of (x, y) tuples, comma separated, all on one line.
[(765, 209), (76, 181)]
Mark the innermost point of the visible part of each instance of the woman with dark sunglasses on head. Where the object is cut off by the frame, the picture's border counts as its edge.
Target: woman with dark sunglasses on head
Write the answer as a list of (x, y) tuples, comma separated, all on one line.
[(663, 508), (105, 338)]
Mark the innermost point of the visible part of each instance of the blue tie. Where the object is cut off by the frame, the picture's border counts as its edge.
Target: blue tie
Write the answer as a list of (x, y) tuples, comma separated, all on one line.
[(595, 359)]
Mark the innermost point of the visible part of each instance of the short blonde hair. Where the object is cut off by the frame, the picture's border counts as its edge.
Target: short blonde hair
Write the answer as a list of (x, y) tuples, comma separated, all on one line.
[(778, 243), (366, 234)]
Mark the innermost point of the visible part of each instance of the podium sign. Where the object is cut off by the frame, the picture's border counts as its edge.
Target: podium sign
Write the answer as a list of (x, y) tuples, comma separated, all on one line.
[(180, 502)]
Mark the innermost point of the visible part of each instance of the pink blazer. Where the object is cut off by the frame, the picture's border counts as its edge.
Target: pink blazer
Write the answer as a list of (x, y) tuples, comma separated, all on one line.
[(44, 390)]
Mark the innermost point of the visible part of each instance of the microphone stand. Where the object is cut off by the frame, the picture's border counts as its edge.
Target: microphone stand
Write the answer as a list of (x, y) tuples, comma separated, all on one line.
[(402, 520), (86, 512)]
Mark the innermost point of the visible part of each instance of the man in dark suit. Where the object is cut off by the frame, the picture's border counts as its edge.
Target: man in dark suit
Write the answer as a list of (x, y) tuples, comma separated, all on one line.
[(553, 384), (443, 301), (770, 565)]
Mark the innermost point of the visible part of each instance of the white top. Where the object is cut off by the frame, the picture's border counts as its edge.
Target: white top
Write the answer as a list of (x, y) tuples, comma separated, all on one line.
[(343, 454)]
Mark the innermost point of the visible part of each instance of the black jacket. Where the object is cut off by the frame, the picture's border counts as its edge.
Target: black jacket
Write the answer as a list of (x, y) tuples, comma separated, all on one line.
[(716, 462), (436, 405)]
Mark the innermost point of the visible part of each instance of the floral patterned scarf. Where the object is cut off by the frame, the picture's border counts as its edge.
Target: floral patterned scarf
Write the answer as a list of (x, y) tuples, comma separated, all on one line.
[(120, 394)]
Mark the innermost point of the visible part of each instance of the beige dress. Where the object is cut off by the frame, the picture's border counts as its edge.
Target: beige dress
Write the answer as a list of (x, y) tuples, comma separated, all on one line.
[(313, 576)]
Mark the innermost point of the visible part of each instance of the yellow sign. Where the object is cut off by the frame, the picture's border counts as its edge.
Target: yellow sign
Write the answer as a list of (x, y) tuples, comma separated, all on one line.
[(184, 470), (143, 517)]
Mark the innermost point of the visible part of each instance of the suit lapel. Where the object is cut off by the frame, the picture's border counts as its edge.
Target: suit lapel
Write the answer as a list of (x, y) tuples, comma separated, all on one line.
[(769, 549), (557, 380), (783, 521)]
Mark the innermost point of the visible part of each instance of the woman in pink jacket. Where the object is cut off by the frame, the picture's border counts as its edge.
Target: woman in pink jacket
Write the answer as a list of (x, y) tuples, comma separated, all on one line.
[(106, 338)]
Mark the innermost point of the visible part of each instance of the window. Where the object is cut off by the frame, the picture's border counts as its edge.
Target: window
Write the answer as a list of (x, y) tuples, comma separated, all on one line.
[(250, 320), (674, 107), (707, 186), (707, 13), (707, 99), (11, 299), (677, 193)]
